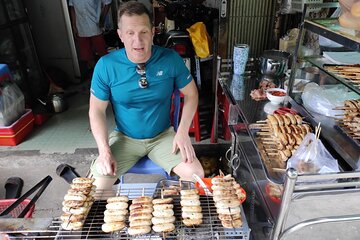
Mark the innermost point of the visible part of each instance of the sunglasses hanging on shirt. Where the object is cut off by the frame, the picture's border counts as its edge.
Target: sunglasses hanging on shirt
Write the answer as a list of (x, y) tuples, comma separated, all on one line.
[(140, 69)]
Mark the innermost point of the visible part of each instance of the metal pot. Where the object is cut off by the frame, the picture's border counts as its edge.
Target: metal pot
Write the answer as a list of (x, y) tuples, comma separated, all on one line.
[(55, 102), (274, 63)]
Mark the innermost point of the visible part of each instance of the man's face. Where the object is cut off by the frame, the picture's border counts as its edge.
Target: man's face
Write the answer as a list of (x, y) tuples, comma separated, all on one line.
[(137, 35)]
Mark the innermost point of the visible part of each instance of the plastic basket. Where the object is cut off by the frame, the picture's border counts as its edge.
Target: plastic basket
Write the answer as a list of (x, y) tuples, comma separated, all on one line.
[(14, 213), (298, 5)]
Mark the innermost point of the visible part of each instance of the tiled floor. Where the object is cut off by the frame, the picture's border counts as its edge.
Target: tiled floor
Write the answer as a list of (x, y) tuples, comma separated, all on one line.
[(63, 132)]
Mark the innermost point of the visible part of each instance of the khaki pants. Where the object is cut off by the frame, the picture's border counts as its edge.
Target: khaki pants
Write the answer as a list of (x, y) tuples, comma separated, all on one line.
[(127, 151)]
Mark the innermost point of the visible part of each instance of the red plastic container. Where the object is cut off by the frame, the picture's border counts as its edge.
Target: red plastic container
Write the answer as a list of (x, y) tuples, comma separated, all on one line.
[(40, 119), (15, 213), (12, 135)]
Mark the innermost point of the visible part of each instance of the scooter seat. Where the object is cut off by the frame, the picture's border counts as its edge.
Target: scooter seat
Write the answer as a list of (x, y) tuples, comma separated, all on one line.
[(176, 33)]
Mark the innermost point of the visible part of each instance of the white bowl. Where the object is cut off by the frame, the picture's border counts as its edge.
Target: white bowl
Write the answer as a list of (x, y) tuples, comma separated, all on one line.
[(275, 99), (298, 86)]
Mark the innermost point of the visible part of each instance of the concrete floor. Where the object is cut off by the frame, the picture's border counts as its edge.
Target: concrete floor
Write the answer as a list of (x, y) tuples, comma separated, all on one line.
[(33, 166)]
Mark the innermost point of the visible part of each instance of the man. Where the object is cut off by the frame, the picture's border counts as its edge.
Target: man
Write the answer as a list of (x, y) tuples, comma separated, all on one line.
[(139, 81), (87, 19)]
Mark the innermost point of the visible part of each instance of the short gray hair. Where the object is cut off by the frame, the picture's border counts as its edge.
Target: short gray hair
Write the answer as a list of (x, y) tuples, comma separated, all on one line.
[(132, 8)]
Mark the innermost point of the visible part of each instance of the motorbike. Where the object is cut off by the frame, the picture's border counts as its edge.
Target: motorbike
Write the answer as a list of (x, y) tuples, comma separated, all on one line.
[(180, 41), (183, 14)]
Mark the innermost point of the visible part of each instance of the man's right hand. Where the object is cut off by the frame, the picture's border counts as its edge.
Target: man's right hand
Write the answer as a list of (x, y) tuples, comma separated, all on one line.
[(106, 165)]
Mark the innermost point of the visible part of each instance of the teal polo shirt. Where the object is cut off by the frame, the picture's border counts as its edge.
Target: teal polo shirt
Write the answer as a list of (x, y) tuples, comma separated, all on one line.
[(140, 112)]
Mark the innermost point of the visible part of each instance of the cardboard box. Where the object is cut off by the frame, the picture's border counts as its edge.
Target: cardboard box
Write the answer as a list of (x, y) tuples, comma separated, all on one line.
[(14, 134)]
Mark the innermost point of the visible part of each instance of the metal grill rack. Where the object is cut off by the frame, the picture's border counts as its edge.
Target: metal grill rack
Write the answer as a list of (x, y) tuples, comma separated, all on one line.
[(211, 227)]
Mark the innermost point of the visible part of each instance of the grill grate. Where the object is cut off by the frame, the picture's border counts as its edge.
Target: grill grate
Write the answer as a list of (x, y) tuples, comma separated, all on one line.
[(211, 227)]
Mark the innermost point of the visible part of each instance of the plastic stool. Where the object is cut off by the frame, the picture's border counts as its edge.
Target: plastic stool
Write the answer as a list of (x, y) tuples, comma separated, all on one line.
[(223, 107), (195, 124), (146, 166)]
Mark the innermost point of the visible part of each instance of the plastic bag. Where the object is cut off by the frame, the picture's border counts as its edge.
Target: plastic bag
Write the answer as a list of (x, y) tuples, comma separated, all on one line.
[(200, 39), (312, 157), (12, 103), (324, 99)]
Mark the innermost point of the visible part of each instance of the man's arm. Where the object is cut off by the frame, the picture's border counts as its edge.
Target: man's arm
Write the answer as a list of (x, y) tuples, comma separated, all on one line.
[(182, 140), (106, 164)]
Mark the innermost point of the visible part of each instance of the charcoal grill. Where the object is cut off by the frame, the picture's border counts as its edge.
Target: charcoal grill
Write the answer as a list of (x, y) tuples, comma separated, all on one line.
[(211, 227)]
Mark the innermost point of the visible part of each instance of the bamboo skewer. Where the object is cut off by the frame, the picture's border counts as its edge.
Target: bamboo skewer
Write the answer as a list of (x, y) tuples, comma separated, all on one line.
[(264, 133), (348, 114), (345, 108), (270, 139), (272, 149), (280, 170), (344, 120), (262, 121), (118, 191)]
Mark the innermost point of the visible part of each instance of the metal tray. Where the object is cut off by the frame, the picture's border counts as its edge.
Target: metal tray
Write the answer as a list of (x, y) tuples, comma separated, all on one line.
[(344, 131), (211, 227)]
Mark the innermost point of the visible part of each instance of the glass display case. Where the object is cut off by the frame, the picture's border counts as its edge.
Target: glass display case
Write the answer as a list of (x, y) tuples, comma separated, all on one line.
[(278, 206), (325, 75)]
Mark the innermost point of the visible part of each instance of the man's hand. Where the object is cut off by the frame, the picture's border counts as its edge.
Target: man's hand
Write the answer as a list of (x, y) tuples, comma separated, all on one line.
[(106, 164), (182, 142)]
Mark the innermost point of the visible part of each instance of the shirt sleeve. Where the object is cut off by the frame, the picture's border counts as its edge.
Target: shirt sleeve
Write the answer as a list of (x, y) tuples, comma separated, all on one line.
[(182, 74), (100, 81)]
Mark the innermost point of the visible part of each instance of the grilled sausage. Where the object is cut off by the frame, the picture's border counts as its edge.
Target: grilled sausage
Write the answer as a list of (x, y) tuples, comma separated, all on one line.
[(165, 227), (112, 227)]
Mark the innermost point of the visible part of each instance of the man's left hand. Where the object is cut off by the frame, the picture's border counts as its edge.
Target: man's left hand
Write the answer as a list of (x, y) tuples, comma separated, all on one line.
[(183, 143)]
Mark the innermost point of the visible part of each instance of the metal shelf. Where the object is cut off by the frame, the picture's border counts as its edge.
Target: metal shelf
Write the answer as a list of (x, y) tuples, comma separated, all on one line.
[(331, 29), (350, 39), (320, 62)]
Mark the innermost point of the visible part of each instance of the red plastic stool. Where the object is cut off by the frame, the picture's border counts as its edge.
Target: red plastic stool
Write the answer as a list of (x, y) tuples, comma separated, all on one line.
[(195, 125), (223, 107)]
